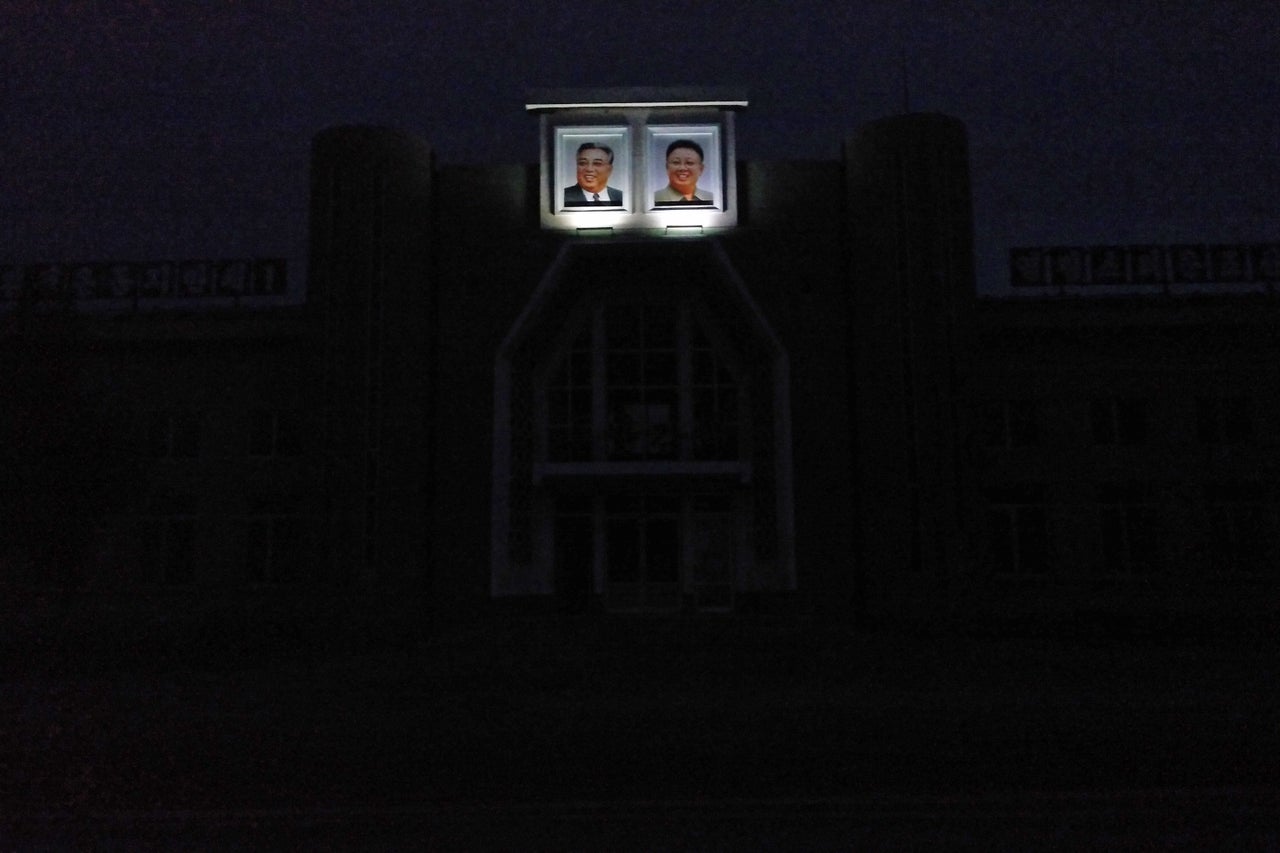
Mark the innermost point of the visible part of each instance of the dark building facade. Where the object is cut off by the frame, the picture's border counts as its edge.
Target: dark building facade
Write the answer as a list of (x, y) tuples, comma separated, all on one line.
[(808, 408)]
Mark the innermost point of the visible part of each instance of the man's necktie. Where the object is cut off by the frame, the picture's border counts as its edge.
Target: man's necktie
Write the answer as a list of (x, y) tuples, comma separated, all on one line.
[(595, 198)]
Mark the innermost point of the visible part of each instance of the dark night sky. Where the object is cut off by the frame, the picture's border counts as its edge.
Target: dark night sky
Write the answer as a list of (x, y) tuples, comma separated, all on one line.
[(148, 130)]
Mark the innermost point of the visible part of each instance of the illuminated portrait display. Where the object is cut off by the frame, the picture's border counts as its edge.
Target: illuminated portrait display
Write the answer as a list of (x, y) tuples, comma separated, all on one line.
[(592, 169), (660, 161), (684, 167)]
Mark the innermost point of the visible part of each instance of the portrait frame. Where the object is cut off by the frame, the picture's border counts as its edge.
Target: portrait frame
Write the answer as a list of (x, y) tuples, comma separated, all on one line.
[(708, 137), (565, 175)]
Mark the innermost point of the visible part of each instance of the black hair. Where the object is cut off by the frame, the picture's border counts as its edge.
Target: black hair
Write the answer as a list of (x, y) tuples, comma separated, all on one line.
[(687, 143), (605, 148)]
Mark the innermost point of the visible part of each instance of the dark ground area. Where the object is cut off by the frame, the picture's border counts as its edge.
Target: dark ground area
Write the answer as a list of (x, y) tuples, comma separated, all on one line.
[(590, 731)]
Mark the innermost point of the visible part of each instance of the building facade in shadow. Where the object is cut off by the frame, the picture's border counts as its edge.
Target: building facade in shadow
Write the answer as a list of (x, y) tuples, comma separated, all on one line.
[(788, 396)]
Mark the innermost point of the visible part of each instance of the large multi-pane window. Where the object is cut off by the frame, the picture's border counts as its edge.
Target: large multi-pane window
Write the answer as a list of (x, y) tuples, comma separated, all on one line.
[(168, 540), (1128, 523), (656, 550), (642, 536), (575, 543), (1008, 423), (1117, 420), (712, 543), (273, 542), (1224, 420), (569, 404), (1242, 528), (274, 432), (1017, 532), (173, 434), (642, 382), (715, 402)]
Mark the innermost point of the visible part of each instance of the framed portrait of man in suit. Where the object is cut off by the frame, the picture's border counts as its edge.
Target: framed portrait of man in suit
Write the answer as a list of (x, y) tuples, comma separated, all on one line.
[(684, 167), (592, 169)]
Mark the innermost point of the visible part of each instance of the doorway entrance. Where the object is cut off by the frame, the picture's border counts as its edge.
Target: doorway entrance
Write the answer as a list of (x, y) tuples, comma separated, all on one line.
[(649, 552)]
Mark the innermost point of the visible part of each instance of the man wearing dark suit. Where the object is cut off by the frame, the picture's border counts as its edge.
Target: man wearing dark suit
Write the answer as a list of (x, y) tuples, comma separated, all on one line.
[(595, 165)]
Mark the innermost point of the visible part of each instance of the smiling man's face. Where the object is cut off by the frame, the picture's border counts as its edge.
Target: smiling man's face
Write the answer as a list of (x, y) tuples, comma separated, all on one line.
[(684, 167), (594, 169)]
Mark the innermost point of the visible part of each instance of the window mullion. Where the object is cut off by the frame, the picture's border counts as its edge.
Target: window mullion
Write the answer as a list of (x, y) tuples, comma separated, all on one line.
[(599, 402), (684, 381)]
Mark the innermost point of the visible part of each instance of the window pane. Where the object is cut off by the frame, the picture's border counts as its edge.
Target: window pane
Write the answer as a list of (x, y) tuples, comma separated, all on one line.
[(660, 426), (574, 543), (558, 407), (261, 433), (186, 439), (559, 443), (623, 368), (704, 368), (622, 504), (287, 551), (1253, 538), (727, 402), (622, 327), (1100, 422), (713, 503), (1000, 540), (179, 554), (580, 443), (158, 435), (573, 505), (659, 327), (1207, 420), (581, 407), (623, 550), (288, 433), (662, 550), (990, 424), (580, 368), (1144, 539), (1033, 540), (559, 377), (1237, 420), (1131, 416), (1023, 424), (662, 505), (1113, 541), (660, 368), (712, 549), (257, 555), (626, 428)]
